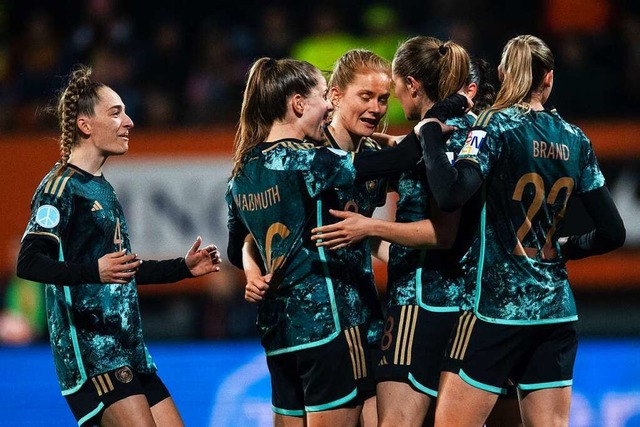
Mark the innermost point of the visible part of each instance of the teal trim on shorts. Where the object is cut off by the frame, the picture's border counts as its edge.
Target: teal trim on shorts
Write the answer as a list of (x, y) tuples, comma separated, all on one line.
[(288, 412), (541, 386), (304, 346), (91, 414), (424, 389), (486, 387), (330, 405)]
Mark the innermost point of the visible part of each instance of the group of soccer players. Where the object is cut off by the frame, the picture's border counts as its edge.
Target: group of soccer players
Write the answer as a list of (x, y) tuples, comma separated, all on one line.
[(478, 299)]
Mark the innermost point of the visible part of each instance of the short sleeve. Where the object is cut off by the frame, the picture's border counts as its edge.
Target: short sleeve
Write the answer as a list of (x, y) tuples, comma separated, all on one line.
[(591, 177), (51, 208)]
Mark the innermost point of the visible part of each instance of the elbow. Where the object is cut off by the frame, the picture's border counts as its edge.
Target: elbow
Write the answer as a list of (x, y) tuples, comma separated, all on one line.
[(22, 269), (618, 237)]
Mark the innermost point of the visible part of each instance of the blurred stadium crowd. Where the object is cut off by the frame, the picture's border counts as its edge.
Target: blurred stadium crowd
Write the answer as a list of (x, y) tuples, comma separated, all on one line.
[(181, 65)]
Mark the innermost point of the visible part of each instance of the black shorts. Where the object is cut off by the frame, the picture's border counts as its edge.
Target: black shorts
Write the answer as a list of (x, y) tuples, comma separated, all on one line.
[(533, 357), (103, 390), (321, 378), (413, 347)]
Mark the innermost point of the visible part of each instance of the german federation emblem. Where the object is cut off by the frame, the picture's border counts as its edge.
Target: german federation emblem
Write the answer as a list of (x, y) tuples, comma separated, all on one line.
[(47, 216), (124, 375)]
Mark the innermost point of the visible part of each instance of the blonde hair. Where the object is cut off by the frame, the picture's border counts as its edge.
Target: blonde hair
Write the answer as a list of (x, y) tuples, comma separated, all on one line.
[(525, 61), (354, 62), (78, 97), (270, 83), (440, 67)]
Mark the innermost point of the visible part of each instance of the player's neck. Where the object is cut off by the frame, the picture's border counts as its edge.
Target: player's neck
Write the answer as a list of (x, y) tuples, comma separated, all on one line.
[(87, 160)]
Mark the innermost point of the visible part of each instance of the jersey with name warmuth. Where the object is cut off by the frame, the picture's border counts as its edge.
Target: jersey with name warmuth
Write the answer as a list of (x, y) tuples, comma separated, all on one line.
[(353, 264), (532, 161), (430, 278), (277, 197), (93, 327)]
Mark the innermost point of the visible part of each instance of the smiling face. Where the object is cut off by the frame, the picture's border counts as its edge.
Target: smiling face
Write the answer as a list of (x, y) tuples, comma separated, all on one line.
[(362, 104), (108, 129), (316, 110)]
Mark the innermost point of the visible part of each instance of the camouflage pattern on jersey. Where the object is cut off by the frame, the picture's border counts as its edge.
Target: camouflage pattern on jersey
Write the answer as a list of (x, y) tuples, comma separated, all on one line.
[(277, 196), (430, 278), (93, 327), (353, 263), (532, 161)]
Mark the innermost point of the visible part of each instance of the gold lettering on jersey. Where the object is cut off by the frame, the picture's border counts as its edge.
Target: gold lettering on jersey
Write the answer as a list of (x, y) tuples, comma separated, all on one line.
[(550, 150), (258, 201)]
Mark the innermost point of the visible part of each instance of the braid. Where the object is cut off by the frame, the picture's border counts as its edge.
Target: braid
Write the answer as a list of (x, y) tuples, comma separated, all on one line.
[(78, 97)]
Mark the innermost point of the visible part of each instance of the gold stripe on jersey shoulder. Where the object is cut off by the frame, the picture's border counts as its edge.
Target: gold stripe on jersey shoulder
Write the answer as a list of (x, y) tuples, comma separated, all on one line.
[(57, 184), (484, 117)]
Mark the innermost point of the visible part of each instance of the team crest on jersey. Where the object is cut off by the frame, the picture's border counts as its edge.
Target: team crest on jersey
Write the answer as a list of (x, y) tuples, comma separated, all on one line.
[(124, 375), (372, 184), (474, 141), (47, 216)]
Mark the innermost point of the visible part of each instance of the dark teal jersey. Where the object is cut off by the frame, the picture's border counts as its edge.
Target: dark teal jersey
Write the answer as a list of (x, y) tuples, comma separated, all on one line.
[(93, 327), (278, 197), (532, 162), (430, 278), (353, 263)]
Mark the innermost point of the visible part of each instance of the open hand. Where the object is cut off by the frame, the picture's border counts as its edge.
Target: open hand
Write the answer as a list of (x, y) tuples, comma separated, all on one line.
[(202, 261)]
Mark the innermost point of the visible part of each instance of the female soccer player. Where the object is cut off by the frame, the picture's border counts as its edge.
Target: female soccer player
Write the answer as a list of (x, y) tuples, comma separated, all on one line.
[(77, 243), (527, 161)]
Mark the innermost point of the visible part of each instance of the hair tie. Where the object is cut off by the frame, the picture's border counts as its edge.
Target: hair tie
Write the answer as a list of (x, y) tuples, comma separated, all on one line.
[(442, 49)]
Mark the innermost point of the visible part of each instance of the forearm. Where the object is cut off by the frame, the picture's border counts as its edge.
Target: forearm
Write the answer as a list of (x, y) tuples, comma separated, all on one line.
[(251, 258), (36, 262), (165, 271), (609, 232), (388, 161), (411, 234)]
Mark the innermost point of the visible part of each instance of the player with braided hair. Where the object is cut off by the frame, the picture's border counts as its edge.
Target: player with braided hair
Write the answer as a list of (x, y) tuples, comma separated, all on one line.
[(77, 243)]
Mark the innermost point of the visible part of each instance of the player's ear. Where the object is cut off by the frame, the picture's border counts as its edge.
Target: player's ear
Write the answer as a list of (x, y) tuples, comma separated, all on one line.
[(297, 104), (83, 125)]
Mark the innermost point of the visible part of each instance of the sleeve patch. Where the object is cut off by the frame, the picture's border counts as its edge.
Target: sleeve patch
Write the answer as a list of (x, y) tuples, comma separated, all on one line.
[(47, 216), (474, 141)]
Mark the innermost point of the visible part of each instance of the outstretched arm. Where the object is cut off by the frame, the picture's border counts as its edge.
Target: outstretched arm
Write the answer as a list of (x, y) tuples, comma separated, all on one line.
[(435, 233), (197, 262), (38, 261)]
